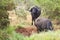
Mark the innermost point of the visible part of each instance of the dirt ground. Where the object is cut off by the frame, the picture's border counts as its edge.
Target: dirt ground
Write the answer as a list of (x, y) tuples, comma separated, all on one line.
[(26, 31)]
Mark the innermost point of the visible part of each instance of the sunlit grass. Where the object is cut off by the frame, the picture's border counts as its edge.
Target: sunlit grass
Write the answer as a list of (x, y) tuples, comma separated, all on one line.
[(12, 35), (51, 35)]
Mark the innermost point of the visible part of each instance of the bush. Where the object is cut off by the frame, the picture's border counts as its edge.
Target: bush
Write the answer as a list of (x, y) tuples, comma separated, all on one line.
[(3, 35), (51, 35), (16, 36), (50, 8), (4, 20), (4, 16)]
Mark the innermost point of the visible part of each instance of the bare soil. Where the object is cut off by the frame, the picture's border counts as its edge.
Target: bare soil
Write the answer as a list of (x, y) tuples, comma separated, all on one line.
[(26, 31)]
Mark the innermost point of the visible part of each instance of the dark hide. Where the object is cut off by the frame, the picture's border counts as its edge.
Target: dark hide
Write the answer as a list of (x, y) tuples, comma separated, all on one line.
[(43, 24), (35, 13)]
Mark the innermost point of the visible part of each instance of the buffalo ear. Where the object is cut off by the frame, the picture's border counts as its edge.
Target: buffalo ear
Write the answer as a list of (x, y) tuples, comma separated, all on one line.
[(30, 10)]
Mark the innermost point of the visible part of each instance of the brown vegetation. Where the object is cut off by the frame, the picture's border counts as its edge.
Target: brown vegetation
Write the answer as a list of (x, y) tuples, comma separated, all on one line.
[(27, 31)]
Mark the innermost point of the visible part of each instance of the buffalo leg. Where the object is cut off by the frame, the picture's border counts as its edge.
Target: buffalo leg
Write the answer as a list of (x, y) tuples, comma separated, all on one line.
[(32, 22)]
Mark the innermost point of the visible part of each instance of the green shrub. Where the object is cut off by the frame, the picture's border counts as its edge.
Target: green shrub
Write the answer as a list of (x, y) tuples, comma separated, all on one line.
[(4, 20), (16, 36), (51, 35), (4, 16), (3, 35)]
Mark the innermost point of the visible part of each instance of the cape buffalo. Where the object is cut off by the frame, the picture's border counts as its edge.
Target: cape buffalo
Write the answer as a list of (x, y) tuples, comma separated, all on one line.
[(43, 24), (35, 13)]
